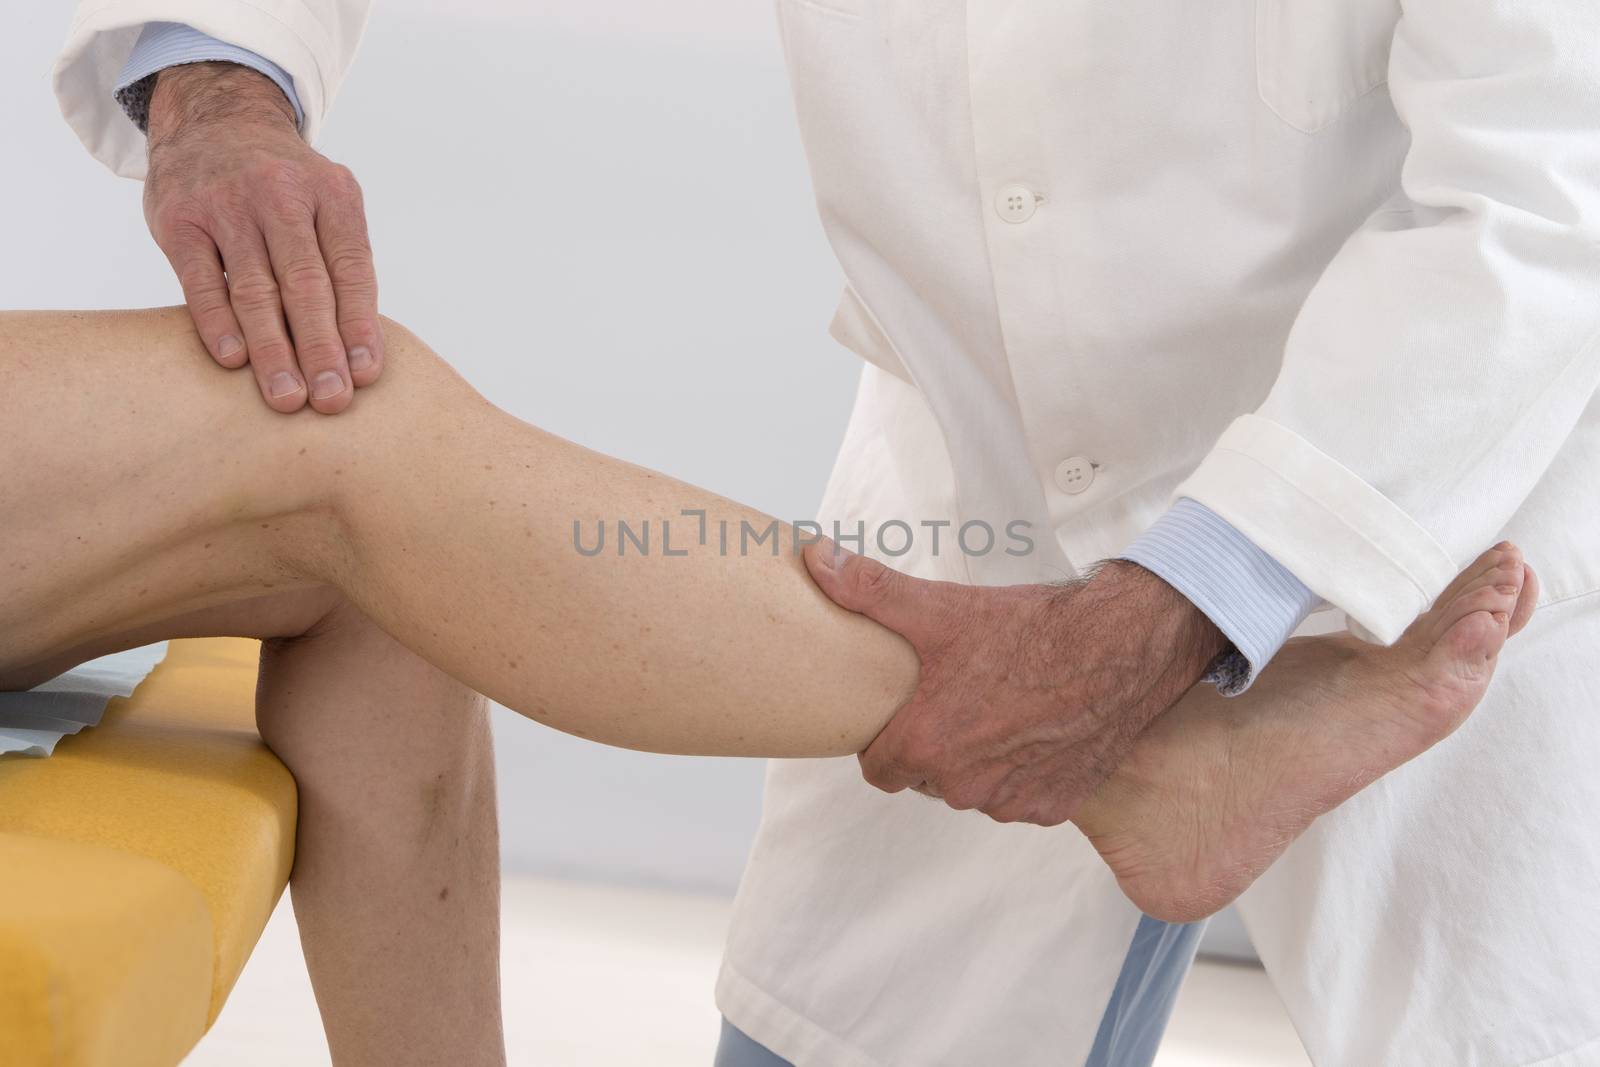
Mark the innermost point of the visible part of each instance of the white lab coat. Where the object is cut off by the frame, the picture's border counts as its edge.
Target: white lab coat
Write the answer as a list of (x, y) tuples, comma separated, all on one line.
[(1330, 269)]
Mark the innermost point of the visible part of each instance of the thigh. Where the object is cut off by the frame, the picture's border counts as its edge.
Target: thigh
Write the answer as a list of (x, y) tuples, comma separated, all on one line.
[(140, 484), (276, 615), (335, 690)]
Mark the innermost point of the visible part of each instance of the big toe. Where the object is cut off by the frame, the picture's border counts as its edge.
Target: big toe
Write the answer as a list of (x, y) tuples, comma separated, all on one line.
[(1469, 625), (1525, 601)]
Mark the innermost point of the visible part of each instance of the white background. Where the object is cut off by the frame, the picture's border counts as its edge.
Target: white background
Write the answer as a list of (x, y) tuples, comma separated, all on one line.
[(600, 213)]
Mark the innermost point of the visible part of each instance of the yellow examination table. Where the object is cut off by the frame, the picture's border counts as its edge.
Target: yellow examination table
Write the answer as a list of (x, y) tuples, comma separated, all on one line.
[(138, 866)]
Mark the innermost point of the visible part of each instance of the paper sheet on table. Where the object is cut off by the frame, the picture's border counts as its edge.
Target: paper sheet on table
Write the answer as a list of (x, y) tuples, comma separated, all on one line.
[(32, 722)]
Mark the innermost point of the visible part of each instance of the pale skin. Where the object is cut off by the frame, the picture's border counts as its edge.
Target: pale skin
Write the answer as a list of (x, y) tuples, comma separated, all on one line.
[(396, 879), (444, 519), (153, 502)]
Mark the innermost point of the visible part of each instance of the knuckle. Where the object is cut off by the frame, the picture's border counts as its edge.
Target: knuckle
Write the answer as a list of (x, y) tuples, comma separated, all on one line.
[(278, 172), (254, 292), (921, 755), (875, 777), (341, 181), (872, 580), (1049, 810), (1021, 807), (964, 797), (356, 330), (351, 265), (304, 277), (201, 281), (1007, 812), (182, 221), (283, 189), (879, 773), (210, 303), (233, 216)]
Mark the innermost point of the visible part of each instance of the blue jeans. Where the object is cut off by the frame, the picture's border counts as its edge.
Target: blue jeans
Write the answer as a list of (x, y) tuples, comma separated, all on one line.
[(1130, 1031), (738, 1049)]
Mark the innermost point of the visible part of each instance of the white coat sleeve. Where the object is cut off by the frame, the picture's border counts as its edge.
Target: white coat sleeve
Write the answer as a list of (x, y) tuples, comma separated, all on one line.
[(1451, 346), (314, 40)]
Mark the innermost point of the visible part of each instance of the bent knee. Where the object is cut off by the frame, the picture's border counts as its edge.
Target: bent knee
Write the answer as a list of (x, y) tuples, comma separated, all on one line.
[(417, 395), (414, 371)]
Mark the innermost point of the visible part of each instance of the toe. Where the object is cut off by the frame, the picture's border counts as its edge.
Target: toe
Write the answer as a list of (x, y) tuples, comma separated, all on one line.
[(1471, 629), (1496, 596), (1461, 640), (1505, 554), (1493, 584), (1467, 632), (1530, 596), (1452, 677)]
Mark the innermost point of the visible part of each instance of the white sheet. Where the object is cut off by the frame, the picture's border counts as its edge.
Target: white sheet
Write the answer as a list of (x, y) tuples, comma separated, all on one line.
[(33, 721)]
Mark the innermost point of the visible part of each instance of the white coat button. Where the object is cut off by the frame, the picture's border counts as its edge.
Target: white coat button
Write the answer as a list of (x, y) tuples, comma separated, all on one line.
[(1015, 203), (1074, 475)]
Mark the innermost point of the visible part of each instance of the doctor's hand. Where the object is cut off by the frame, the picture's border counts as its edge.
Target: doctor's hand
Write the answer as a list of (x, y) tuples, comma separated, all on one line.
[(1030, 695), (268, 238)]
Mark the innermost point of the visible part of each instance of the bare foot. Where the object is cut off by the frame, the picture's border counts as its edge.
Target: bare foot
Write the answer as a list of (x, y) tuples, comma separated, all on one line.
[(1217, 788)]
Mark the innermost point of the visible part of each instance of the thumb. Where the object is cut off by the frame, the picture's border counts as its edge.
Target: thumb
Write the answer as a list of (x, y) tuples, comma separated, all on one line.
[(867, 587)]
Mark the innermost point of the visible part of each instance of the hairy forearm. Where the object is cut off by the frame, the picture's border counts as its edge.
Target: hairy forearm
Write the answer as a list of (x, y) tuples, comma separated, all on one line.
[(1161, 644), (195, 94)]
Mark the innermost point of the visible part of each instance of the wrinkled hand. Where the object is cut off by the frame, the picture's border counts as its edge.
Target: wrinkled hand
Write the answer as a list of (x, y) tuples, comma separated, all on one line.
[(1030, 695), (233, 188)]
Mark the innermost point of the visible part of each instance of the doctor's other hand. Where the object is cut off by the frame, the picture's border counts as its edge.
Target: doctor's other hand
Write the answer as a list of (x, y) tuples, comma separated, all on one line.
[(1030, 695), (268, 237)]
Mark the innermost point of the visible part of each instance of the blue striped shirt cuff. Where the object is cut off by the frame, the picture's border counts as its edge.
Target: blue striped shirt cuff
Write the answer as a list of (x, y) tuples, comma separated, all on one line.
[(172, 44), (1253, 600)]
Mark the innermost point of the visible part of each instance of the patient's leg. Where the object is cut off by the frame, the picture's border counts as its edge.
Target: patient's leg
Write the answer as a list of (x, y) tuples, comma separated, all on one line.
[(396, 880), (144, 481), (450, 524)]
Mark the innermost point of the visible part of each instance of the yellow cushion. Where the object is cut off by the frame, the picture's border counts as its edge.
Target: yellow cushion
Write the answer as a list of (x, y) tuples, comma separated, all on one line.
[(138, 866)]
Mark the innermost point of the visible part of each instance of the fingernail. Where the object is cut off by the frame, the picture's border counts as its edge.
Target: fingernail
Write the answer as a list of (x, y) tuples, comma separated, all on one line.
[(327, 384), (360, 357), (229, 346), (283, 384)]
